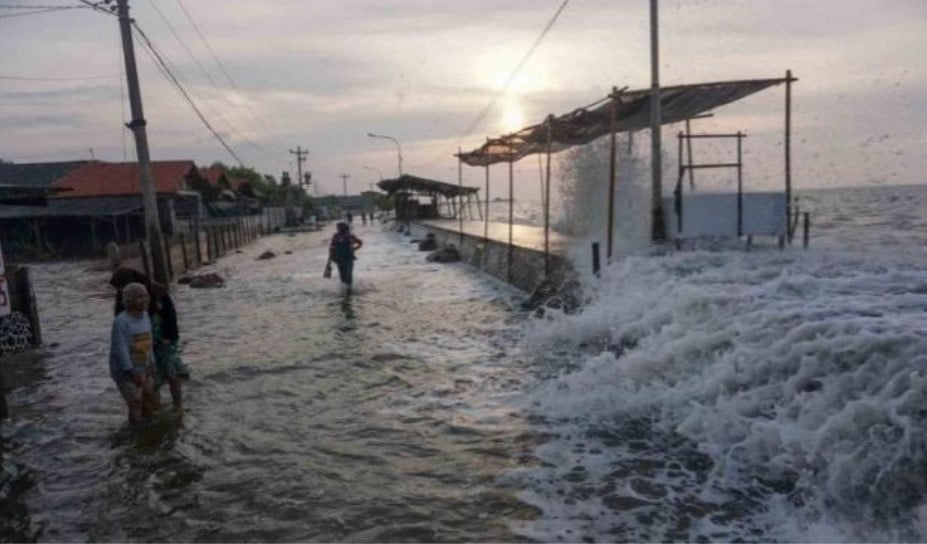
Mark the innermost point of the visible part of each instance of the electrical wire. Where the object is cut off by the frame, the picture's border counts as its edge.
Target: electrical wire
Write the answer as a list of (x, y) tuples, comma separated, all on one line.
[(166, 71), (29, 78), (205, 72), (38, 11), (227, 75), (521, 64)]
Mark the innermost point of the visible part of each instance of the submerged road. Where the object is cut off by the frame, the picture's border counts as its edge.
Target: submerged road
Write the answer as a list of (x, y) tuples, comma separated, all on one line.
[(311, 415)]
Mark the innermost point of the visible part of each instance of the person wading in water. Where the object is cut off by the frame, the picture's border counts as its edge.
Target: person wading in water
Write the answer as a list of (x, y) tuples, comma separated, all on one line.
[(341, 251)]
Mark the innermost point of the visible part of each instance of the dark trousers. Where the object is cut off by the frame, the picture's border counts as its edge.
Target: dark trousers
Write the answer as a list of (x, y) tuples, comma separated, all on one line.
[(346, 271)]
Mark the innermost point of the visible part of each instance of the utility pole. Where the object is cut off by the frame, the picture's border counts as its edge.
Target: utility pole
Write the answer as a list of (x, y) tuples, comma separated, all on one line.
[(137, 126), (344, 182), (657, 233), (300, 159)]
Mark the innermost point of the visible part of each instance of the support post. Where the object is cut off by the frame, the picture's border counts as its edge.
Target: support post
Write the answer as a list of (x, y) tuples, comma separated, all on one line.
[(596, 266), (806, 229), (511, 207), (788, 153), (656, 149), (137, 125), (550, 136), (460, 196), (612, 156), (689, 153), (183, 252), (740, 185)]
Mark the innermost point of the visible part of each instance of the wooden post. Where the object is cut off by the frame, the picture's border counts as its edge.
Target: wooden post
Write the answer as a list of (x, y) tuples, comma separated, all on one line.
[(511, 206), (740, 186), (167, 258), (689, 153), (144, 252), (199, 250), (806, 229), (460, 188), (32, 309), (613, 142), (788, 153), (183, 251), (550, 136), (486, 205)]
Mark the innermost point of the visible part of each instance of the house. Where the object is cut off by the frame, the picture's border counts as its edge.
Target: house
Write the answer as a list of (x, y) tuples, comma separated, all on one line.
[(103, 204)]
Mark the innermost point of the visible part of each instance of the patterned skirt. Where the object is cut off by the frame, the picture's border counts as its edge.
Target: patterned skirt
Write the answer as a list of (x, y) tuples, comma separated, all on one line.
[(168, 364)]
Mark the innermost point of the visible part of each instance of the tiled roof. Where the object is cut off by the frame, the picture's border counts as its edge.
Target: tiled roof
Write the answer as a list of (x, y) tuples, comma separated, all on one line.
[(109, 179), (36, 174)]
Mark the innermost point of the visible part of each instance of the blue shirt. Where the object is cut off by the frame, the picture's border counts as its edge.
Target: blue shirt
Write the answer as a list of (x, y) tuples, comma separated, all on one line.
[(130, 347)]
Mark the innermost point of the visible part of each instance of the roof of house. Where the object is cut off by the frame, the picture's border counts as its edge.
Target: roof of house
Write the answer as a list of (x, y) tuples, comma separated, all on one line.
[(111, 179), (26, 195), (36, 174)]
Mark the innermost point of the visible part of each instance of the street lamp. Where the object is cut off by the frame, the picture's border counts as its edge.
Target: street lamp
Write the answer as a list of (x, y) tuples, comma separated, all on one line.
[(395, 141)]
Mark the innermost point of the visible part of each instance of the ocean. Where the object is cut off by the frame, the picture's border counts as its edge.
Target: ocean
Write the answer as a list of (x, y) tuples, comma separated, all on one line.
[(704, 395)]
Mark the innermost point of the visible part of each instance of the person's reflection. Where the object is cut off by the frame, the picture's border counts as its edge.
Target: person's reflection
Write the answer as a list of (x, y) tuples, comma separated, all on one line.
[(347, 308)]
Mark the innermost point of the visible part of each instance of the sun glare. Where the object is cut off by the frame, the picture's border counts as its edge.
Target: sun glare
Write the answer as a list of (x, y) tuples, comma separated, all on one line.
[(512, 117)]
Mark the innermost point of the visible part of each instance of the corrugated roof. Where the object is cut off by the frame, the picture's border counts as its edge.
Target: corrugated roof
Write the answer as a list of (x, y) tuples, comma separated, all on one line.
[(591, 122), (408, 182), (26, 195), (107, 179), (36, 174), (76, 207)]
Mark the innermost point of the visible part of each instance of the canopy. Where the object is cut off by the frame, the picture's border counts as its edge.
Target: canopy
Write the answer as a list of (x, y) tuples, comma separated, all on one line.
[(407, 182), (632, 112)]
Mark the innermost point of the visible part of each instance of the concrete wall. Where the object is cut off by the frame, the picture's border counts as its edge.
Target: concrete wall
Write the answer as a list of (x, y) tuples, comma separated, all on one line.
[(492, 257)]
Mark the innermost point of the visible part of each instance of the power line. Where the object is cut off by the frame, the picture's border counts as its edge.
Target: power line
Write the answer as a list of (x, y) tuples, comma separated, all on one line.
[(30, 78), (38, 11), (202, 68), (485, 111), (226, 73), (166, 71)]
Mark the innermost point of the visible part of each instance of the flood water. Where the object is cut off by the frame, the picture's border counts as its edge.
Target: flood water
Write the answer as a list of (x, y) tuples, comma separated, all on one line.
[(383, 415)]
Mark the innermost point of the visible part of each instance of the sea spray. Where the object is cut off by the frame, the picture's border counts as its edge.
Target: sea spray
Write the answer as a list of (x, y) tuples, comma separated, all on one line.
[(767, 395)]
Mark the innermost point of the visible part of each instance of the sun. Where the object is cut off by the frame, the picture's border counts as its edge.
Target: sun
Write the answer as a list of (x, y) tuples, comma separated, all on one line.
[(513, 118)]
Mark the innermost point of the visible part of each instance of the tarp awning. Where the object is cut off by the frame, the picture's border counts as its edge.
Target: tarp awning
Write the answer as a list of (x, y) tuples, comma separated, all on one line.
[(589, 123), (416, 184)]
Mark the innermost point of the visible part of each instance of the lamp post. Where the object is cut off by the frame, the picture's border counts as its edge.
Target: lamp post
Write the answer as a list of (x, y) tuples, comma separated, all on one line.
[(395, 141)]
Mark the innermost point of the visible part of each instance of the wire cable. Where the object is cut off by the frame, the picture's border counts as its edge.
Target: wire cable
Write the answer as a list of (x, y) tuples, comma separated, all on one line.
[(227, 75), (205, 72), (166, 71)]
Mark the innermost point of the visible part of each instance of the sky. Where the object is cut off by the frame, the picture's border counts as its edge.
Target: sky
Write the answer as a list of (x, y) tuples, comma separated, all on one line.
[(322, 74)]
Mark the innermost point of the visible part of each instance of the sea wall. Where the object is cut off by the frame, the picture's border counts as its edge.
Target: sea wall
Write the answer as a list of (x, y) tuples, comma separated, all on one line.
[(526, 271)]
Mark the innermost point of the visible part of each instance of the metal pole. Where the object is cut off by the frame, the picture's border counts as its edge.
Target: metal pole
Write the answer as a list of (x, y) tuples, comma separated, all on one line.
[(689, 152), (656, 204), (137, 125), (740, 186), (511, 205), (788, 154), (486, 205), (595, 259), (613, 143), (806, 229), (550, 128), (460, 196)]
